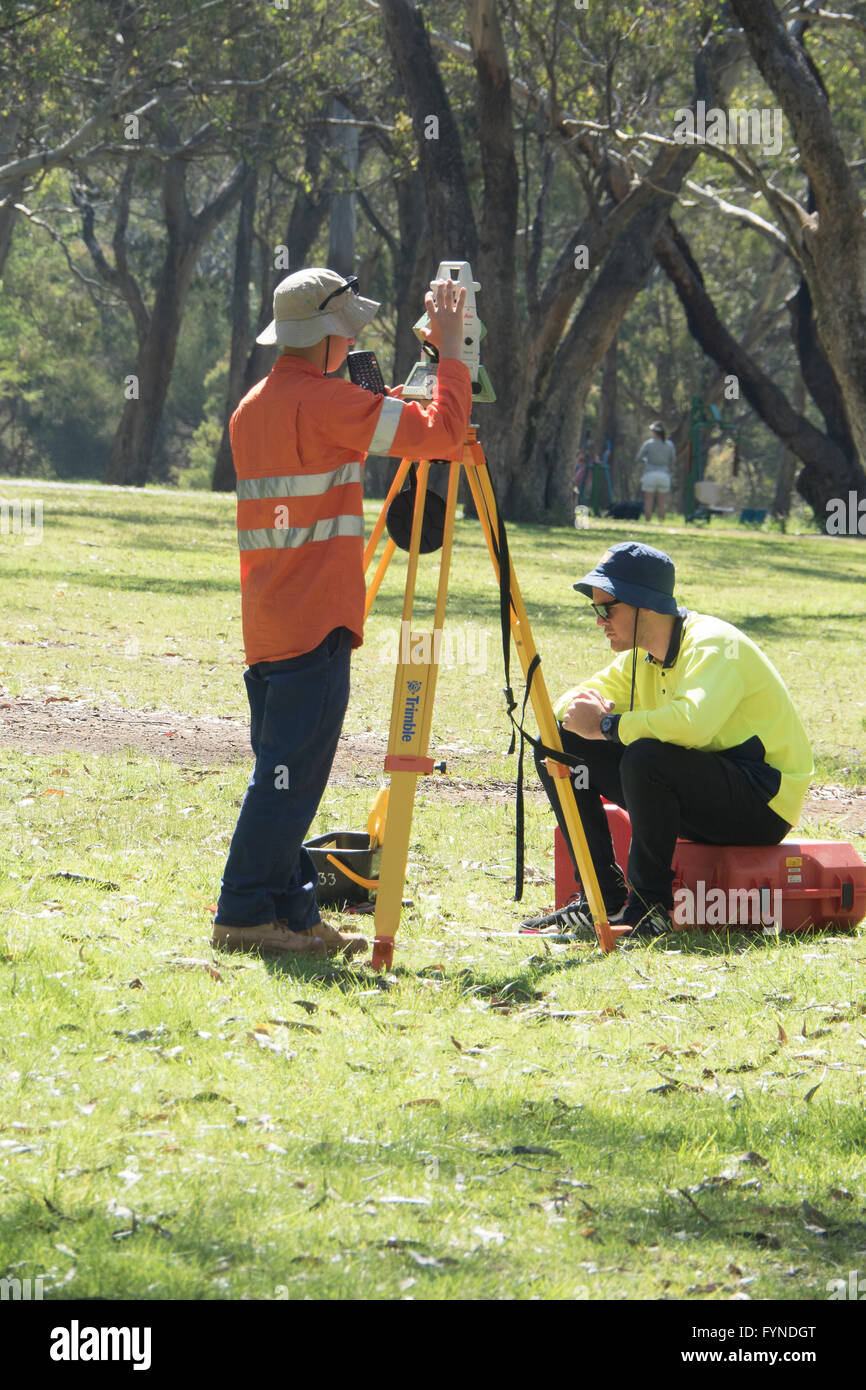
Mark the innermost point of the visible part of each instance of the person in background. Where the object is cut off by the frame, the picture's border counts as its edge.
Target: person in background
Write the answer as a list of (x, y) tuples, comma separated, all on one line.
[(656, 457)]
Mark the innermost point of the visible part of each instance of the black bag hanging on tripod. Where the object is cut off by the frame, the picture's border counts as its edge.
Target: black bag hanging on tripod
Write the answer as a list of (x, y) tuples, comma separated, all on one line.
[(399, 516)]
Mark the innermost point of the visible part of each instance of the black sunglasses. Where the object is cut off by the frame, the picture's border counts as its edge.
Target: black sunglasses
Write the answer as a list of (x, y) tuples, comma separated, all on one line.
[(602, 610), (351, 284)]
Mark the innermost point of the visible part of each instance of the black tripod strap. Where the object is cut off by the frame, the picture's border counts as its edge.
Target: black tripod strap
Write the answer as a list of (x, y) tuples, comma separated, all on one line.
[(504, 559), (517, 727), (518, 808), (505, 606)]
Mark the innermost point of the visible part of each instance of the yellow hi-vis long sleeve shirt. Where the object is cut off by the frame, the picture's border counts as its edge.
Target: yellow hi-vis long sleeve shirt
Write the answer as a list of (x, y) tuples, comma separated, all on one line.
[(716, 691)]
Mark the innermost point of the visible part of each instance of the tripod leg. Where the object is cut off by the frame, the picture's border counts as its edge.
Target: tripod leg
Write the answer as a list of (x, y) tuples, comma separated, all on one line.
[(373, 586), (411, 716), (485, 503), (378, 528)]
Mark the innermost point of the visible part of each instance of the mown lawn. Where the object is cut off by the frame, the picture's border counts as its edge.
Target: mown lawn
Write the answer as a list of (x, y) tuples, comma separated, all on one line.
[(496, 1118)]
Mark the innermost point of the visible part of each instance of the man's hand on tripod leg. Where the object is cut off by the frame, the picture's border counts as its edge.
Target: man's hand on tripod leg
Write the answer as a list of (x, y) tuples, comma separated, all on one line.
[(444, 304)]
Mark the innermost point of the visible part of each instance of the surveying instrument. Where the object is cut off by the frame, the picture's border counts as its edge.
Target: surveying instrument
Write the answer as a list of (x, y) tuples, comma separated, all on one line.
[(408, 755)]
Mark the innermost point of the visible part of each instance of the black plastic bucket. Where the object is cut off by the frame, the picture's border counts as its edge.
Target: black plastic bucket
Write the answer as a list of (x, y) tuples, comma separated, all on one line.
[(351, 848)]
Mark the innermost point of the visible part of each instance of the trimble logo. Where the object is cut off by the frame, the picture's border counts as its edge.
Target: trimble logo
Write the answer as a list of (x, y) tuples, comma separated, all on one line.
[(410, 711)]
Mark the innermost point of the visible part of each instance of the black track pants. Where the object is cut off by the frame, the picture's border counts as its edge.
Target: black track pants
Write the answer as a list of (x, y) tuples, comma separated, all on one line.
[(669, 792)]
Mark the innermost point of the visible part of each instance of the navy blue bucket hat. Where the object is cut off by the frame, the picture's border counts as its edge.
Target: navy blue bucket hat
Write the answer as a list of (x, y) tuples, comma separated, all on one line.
[(636, 574)]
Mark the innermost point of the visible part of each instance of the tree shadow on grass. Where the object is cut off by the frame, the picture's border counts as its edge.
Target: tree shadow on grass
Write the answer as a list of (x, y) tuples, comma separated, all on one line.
[(508, 990), (604, 1175), (141, 583)]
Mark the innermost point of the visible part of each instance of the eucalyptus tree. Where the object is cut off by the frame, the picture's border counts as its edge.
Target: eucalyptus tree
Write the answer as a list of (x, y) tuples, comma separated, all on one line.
[(563, 153)]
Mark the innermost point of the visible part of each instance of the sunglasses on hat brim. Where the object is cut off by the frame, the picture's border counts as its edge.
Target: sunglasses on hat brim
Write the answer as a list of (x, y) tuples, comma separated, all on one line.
[(350, 284)]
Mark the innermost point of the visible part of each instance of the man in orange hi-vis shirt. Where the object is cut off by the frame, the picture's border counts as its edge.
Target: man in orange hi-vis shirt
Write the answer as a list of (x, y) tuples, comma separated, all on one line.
[(299, 440)]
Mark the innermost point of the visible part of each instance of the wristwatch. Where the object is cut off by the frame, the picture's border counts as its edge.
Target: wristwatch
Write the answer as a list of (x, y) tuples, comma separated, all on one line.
[(610, 727)]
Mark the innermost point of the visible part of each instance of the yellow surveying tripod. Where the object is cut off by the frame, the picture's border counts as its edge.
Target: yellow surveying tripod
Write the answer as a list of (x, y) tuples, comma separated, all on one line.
[(415, 688)]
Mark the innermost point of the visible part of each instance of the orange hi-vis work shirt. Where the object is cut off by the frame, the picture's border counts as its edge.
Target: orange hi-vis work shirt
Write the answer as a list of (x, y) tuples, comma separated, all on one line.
[(299, 440)]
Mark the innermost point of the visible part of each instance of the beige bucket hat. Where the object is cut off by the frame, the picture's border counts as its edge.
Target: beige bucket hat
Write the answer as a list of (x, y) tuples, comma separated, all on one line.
[(311, 304)]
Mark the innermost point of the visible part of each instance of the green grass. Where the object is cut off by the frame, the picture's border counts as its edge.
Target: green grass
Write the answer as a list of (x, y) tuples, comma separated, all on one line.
[(495, 1118)]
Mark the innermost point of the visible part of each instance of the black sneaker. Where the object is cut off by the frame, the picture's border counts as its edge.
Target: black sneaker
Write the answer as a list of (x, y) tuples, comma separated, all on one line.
[(572, 922), (648, 921)]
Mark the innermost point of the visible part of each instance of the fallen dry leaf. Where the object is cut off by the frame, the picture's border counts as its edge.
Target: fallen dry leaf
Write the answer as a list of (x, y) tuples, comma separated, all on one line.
[(812, 1215), (764, 1239), (191, 963)]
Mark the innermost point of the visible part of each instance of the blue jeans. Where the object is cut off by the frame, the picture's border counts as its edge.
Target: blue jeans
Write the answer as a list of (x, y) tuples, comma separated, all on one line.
[(296, 714)]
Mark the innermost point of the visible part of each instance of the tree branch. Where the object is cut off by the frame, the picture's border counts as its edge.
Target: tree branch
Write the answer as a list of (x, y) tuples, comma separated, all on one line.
[(89, 284)]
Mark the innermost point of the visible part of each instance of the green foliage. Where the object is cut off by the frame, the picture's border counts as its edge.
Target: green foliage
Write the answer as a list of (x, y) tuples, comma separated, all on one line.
[(206, 438), (64, 350)]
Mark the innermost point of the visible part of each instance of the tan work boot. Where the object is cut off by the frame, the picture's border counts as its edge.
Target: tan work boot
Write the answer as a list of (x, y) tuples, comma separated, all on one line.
[(335, 941), (273, 938)]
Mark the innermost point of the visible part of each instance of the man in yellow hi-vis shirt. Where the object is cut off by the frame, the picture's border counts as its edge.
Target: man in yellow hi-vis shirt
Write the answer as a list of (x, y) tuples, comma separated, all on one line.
[(691, 729)]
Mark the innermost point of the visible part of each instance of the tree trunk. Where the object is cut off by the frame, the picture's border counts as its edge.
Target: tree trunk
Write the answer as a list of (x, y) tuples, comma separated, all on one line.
[(449, 207), (829, 472), (833, 237), (496, 269), (224, 469), (413, 269), (543, 368), (554, 421), (8, 217), (816, 372), (11, 192), (788, 462), (132, 451), (341, 244), (607, 410), (305, 220)]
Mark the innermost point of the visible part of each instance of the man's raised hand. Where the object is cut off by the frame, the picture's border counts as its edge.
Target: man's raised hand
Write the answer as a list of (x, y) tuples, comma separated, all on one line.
[(444, 303)]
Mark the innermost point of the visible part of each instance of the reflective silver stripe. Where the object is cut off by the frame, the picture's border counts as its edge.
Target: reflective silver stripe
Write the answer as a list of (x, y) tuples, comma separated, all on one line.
[(389, 419), (290, 537), (297, 484)]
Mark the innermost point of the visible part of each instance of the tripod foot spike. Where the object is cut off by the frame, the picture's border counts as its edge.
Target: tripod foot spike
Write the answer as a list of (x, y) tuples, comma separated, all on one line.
[(383, 952), (609, 935)]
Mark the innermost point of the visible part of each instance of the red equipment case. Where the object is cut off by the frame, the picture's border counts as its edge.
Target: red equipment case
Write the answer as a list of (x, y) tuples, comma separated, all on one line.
[(800, 884)]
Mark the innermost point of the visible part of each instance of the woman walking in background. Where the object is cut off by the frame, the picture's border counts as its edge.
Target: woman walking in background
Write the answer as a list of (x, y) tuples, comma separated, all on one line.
[(656, 457)]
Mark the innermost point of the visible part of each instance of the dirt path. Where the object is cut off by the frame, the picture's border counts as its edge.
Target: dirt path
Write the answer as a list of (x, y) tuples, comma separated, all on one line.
[(51, 724)]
